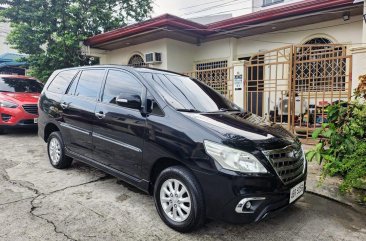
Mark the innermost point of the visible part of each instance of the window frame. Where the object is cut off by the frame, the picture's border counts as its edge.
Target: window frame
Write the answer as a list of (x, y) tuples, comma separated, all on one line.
[(56, 75), (75, 80), (143, 90), (157, 102), (78, 79), (273, 2)]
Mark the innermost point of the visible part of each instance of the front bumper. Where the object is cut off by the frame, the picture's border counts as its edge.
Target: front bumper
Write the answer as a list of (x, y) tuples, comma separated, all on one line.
[(223, 192), (16, 117)]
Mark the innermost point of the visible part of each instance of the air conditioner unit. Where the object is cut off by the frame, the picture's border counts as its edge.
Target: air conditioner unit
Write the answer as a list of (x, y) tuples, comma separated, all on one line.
[(153, 58)]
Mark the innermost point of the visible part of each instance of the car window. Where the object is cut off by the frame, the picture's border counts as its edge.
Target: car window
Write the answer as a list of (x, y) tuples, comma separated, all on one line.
[(152, 106), (184, 93), (118, 82), (72, 88), (9, 84), (60, 83), (89, 83)]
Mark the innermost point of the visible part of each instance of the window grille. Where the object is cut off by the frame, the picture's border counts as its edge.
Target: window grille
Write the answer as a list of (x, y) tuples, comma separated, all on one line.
[(136, 60)]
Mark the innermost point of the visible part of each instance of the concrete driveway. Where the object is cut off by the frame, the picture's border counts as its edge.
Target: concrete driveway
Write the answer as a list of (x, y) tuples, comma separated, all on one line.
[(38, 202)]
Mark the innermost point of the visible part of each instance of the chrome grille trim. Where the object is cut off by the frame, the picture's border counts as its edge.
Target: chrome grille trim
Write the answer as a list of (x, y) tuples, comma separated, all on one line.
[(31, 108), (288, 162)]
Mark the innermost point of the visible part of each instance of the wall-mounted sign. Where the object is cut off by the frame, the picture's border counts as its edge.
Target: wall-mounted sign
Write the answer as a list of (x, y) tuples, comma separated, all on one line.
[(238, 81)]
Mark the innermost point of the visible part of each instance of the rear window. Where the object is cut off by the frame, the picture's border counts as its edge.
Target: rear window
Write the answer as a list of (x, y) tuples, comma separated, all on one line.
[(89, 83), (20, 85), (60, 83)]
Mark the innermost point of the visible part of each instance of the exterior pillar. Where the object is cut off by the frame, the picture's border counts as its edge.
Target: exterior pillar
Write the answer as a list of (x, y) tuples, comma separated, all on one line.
[(359, 55)]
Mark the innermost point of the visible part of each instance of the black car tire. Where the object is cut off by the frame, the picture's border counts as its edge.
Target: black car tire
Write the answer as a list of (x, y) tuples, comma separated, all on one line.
[(196, 217), (63, 161)]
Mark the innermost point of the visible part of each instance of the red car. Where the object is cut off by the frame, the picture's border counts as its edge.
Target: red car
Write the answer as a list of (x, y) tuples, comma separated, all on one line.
[(18, 101)]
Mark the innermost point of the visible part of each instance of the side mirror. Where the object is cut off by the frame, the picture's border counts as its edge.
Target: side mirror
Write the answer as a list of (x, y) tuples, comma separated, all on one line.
[(129, 100)]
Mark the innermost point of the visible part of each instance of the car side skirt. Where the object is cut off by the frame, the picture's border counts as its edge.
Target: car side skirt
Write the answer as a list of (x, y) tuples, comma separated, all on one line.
[(141, 184)]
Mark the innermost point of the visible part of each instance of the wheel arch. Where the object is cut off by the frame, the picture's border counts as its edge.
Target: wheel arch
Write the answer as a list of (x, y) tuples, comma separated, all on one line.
[(50, 127), (159, 166)]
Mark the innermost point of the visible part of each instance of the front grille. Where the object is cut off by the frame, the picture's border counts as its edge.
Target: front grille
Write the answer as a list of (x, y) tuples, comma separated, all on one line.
[(288, 162), (32, 109), (5, 117)]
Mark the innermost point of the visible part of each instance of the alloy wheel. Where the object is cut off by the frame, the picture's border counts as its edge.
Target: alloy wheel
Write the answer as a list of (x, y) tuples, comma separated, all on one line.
[(175, 200), (55, 151)]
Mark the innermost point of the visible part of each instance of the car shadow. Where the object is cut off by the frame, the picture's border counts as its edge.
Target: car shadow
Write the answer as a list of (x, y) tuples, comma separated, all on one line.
[(19, 132)]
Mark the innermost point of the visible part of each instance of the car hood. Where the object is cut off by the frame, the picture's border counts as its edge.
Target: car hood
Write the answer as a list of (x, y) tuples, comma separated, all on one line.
[(242, 129), (21, 97)]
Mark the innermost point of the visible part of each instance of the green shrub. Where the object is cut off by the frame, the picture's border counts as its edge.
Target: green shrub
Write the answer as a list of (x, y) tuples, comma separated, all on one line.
[(342, 146)]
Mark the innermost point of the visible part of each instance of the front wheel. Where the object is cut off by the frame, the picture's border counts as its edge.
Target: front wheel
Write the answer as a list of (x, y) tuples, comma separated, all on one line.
[(179, 199), (56, 151)]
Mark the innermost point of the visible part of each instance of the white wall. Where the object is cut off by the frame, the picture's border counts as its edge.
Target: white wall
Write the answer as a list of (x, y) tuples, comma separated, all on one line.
[(180, 56), (345, 34), (214, 50), (176, 56), (340, 32), (122, 56)]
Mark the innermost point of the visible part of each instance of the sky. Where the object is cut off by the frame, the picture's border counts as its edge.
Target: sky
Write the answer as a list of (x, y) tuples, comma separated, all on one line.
[(200, 8)]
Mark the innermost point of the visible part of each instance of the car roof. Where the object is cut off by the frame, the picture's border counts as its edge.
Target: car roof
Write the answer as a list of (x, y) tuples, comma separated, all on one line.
[(126, 67)]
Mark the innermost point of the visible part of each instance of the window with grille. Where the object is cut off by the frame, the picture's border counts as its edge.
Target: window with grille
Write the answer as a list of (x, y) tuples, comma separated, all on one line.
[(136, 60), (320, 66), (214, 74)]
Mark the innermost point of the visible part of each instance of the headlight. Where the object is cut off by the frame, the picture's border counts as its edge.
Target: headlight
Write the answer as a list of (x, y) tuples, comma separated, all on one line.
[(8, 104), (233, 159), (304, 158)]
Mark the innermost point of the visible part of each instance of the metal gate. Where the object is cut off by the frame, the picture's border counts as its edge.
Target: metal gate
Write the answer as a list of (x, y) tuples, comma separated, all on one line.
[(221, 79), (293, 85)]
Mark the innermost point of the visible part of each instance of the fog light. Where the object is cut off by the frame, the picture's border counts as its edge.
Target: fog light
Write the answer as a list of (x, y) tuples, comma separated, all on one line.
[(248, 205)]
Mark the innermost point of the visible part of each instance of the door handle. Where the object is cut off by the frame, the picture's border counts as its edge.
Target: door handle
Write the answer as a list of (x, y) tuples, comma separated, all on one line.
[(100, 115), (64, 105)]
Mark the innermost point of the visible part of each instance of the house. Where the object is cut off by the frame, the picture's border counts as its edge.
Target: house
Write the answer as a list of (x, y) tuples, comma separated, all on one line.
[(286, 60)]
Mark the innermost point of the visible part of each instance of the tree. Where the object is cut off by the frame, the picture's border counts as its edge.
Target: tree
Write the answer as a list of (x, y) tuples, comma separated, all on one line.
[(50, 31)]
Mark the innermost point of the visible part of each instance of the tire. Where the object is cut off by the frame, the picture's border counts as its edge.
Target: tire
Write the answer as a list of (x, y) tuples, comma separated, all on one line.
[(56, 151), (2, 130), (188, 205)]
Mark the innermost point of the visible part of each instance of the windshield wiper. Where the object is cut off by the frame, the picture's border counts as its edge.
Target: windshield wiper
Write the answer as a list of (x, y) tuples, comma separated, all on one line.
[(224, 110), (189, 110)]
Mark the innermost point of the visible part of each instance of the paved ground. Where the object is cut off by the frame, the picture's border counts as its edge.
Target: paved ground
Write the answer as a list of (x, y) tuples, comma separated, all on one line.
[(38, 202)]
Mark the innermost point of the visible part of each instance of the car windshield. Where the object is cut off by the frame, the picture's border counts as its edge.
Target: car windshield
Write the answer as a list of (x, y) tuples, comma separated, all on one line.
[(20, 85), (189, 95)]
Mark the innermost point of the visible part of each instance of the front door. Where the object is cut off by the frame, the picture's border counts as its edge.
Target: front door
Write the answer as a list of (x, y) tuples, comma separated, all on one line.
[(118, 132), (78, 111)]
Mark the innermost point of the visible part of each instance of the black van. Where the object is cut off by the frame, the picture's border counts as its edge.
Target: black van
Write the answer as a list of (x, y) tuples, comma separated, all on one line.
[(174, 137)]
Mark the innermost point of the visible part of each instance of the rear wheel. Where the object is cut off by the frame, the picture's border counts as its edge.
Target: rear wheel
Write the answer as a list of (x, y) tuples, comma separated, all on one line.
[(179, 199), (56, 151)]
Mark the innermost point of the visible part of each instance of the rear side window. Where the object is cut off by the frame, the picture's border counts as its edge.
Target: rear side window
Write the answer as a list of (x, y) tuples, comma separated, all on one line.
[(60, 83), (89, 83), (117, 82)]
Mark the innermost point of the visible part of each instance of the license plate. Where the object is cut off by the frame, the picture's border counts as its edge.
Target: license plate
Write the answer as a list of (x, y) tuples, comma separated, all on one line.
[(35, 120), (297, 191)]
